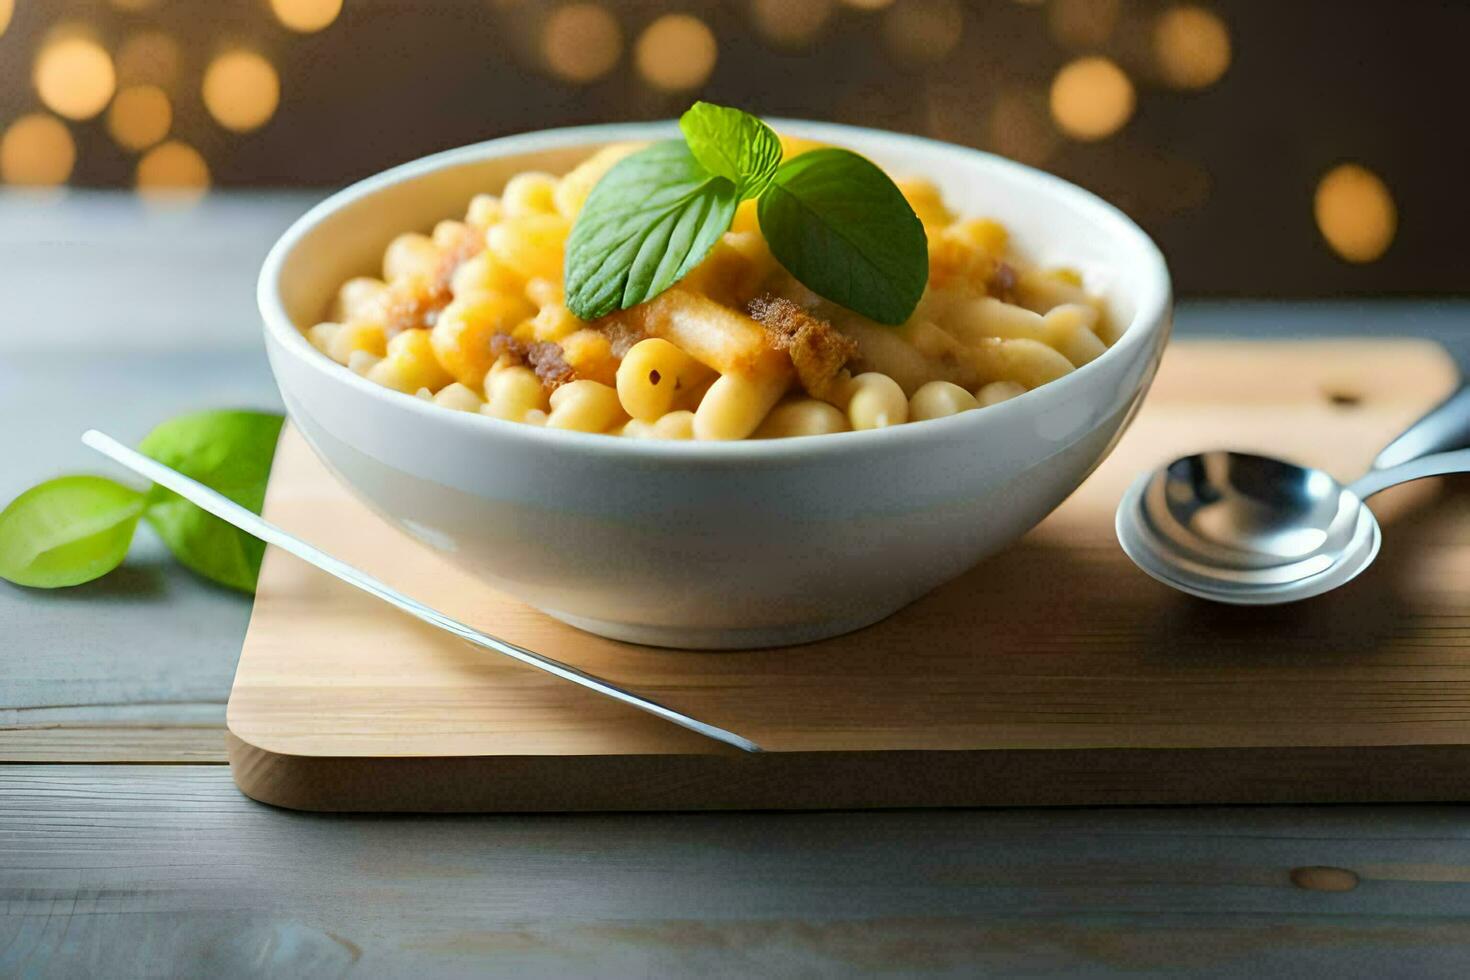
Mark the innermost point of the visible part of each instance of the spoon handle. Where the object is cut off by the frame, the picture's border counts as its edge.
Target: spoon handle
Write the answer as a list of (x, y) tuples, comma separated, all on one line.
[(1439, 464), (251, 523), (1446, 427)]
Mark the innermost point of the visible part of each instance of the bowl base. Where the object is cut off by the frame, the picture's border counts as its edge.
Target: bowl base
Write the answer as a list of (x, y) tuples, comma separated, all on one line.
[(724, 638)]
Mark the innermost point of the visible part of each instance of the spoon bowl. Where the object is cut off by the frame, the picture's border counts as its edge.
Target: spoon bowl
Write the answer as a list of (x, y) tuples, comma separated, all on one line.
[(1246, 529), (1251, 530)]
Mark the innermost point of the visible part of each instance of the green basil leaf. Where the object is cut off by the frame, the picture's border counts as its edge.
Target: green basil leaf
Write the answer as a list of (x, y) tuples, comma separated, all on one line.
[(733, 144), (842, 227), (230, 452), (67, 531), (648, 221)]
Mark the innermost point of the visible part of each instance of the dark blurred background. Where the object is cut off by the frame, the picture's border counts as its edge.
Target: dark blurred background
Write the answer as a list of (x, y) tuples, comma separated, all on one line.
[(1310, 148)]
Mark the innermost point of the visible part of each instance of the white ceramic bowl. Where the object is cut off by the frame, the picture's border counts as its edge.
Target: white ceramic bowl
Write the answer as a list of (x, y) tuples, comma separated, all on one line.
[(714, 544)]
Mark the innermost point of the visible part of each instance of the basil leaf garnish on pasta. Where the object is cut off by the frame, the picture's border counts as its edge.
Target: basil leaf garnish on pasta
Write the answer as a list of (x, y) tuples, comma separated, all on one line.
[(650, 219), (842, 227), (830, 216), (733, 144)]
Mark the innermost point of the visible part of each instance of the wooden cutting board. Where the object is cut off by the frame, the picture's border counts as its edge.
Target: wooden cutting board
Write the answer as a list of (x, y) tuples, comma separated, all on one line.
[(1054, 673)]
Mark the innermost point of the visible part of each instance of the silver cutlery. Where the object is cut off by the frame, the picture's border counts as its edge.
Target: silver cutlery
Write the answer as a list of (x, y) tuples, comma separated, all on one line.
[(232, 513), (1246, 529)]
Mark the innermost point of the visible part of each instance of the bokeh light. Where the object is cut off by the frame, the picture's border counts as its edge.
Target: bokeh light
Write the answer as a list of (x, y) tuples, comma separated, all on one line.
[(241, 90), (74, 76), (139, 117), (37, 151), (148, 57), (173, 171), (133, 6), (923, 32), (1091, 98), (1192, 46), (306, 16), (1018, 127), (1082, 23), (676, 52), (788, 23), (1355, 212), (7, 8), (581, 41)]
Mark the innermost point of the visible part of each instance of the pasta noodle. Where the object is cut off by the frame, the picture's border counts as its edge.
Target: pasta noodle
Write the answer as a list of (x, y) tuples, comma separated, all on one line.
[(736, 403), (939, 399), (651, 376), (586, 406), (875, 401), (802, 417)]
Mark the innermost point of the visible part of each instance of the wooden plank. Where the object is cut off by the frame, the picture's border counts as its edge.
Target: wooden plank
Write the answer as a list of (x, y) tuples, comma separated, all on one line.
[(1054, 673), (128, 871), (85, 740)]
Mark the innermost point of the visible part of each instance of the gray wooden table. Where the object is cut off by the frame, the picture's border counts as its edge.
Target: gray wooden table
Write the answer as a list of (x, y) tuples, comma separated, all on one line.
[(126, 851)]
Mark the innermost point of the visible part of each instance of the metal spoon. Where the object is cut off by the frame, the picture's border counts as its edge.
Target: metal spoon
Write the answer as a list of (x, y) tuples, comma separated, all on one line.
[(1251, 530), (1447, 426), (232, 513)]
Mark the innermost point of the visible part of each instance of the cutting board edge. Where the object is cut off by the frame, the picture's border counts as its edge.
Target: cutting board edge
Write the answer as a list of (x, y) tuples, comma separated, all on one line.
[(852, 780)]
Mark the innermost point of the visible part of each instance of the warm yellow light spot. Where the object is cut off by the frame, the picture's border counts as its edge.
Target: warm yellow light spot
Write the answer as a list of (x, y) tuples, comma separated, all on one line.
[(241, 90), (173, 170), (1192, 46), (140, 116), (788, 23), (37, 151), (149, 57), (1018, 127), (1082, 23), (1091, 98), (868, 4), (923, 31), (306, 16), (582, 41), (1355, 212), (134, 6), (7, 7), (676, 52), (74, 77)]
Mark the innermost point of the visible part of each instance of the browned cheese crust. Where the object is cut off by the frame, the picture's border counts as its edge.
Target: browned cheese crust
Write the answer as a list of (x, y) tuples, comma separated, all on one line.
[(414, 304), (817, 349), (621, 334), (543, 357)]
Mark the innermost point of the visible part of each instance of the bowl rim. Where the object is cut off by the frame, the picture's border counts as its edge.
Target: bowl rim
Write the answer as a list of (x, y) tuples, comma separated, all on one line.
[(1150, 316)]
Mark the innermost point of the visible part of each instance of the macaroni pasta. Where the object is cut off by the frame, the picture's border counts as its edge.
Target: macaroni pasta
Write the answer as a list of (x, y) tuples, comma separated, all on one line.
[(472, 318)]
